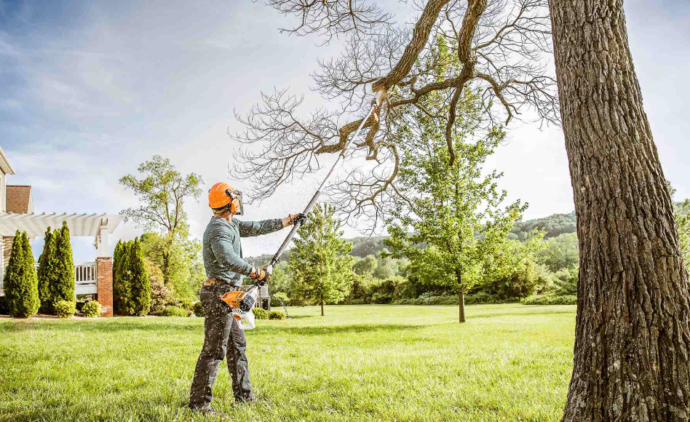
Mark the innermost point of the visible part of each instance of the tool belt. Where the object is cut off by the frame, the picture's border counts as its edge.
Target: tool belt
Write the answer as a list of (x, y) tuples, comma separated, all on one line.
[(216, 282)]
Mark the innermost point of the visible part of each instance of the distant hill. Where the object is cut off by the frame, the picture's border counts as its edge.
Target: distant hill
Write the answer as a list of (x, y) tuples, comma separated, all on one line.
[(555, 225)]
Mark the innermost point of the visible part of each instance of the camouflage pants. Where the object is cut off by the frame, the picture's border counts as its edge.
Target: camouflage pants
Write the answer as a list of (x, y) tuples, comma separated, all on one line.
[(220, 328)]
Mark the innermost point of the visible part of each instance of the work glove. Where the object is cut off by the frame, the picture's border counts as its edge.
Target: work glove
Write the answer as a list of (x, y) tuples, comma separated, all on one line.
[(297, 218), (262, 276)]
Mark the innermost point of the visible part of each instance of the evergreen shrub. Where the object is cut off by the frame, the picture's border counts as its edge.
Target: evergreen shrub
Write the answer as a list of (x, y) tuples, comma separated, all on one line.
[(21, 283), (65, 308), (91, 309), (173, 311), (260, 313), (198, 309), (275, 315)]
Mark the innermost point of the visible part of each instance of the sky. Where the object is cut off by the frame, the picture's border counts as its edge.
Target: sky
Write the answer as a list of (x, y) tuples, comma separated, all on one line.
[(91, 89)]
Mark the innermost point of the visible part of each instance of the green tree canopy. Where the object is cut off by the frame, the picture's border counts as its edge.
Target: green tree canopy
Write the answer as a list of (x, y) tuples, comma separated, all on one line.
[(560, 252), (453, 208), (162, 192), (320, 264)]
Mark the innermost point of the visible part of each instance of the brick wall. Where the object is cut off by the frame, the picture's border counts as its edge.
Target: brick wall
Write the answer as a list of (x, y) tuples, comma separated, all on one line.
[(104, 279)]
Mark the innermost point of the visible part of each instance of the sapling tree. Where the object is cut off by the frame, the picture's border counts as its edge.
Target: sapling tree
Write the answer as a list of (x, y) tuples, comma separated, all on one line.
[(448, 204), (320, 265)]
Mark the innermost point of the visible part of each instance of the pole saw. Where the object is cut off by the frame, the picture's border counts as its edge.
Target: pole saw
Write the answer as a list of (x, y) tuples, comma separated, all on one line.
[(242, 303)]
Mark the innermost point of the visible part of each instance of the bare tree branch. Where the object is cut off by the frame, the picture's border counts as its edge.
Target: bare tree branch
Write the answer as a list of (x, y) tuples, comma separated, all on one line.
[(496, 51)]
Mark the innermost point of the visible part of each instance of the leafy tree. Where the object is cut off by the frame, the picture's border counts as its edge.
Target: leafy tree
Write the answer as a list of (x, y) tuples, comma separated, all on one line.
[(449, 206), (122, 278), (20, 282), (560, 252), (366, 265), (565, 282), (281, 280), (683, 225), (185, 264), (140, 286), (62, 287), (47, 273), (162, 192), (511, 271), (320, 264), (386, 267)]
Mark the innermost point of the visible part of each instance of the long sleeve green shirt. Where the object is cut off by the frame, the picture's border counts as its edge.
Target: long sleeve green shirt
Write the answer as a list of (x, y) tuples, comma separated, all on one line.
[(222, 249)]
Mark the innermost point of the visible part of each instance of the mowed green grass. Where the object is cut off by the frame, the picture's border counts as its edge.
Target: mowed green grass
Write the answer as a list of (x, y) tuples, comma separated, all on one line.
[(358, 363)]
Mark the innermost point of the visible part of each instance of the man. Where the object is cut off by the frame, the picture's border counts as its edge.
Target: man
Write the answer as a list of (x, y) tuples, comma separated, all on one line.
[(225, 268)]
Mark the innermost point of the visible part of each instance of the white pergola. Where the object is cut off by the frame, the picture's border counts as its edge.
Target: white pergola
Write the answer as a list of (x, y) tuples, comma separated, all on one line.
[(98, 226)]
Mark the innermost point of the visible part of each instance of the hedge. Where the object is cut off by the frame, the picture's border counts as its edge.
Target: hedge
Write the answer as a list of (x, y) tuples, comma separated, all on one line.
[(550, 300), (173, 311)]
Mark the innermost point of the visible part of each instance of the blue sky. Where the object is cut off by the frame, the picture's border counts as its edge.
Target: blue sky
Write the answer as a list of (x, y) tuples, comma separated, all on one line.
[(88, 90)]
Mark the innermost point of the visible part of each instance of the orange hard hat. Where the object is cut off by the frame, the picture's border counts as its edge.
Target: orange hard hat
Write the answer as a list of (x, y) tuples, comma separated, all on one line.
[(222, 194)]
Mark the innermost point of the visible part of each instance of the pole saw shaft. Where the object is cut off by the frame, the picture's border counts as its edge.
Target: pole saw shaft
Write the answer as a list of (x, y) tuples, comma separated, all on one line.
[(314, 198)]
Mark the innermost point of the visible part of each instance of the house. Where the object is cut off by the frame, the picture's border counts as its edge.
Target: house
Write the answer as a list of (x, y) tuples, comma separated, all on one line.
[(17, 213)]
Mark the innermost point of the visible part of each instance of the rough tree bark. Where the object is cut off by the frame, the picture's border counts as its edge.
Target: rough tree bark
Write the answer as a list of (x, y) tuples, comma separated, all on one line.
[(632, 335)]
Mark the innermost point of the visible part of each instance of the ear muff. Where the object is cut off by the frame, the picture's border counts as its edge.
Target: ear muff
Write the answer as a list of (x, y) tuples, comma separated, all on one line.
[(236, 207)]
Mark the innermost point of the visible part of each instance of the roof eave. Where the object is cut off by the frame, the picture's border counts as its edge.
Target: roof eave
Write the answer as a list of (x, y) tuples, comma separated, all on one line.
[(5, 163)]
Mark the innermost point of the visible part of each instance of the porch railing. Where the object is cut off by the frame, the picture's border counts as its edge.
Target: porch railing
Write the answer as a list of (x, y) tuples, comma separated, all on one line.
[(84, 278)]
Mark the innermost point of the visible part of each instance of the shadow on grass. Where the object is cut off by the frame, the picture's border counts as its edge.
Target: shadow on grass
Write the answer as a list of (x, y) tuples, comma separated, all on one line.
[(517, 314), (335, 329), (110, 325)]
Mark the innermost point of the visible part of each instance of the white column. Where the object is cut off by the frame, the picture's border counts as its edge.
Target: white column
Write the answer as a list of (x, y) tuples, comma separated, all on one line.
[(103, 244)]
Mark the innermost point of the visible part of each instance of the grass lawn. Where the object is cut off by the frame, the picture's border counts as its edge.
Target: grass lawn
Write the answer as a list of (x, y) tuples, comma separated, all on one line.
[(358, 363)]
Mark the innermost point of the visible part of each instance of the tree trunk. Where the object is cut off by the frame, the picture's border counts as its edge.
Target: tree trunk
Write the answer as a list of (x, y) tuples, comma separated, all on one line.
[(321, 305), (166, 268), (461, 304), (632, 334)]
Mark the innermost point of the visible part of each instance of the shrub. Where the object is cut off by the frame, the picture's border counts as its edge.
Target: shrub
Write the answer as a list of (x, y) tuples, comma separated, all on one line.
[(185, 304), (565, 282), (281, 298), (121, 278), (486, 298), (550, 300), (91, 309), (63, 284), (198, 309), (21, 284), (260, 313), (160, 296), (173, 311), (276, 315), (4, 307), (65, 308), (140, 286), (46, 273)]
